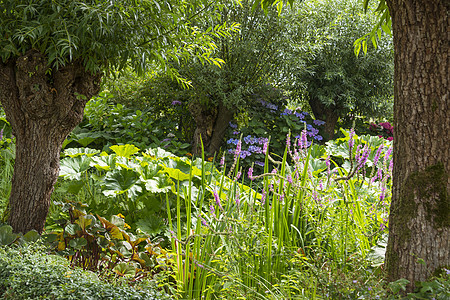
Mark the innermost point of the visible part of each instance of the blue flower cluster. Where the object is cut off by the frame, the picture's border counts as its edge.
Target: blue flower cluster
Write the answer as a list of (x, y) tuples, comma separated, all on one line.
[(252, 148), (270, 106)]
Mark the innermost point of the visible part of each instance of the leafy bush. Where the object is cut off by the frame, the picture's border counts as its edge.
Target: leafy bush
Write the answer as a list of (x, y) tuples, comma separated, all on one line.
[(107, 124), (27, 272)]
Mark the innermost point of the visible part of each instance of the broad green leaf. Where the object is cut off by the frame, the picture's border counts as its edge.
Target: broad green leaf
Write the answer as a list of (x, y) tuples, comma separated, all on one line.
[(124, 269), (120, 180), (158, 185), (72, 229), (73, 167), (31, 236), (105, 162), (78, 243), (125, 150), (6, 235), (74, 152)]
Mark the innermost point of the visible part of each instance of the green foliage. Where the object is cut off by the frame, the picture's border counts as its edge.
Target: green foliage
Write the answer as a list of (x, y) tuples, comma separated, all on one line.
[(107, 124), (268, 117), (324, 32), (106, 34), (27, 272), (320, 208), (96, 244)]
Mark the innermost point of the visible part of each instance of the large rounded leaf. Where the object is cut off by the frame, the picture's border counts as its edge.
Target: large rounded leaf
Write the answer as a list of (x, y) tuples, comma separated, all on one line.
[(120, 181), (124, 150), (74, 167)]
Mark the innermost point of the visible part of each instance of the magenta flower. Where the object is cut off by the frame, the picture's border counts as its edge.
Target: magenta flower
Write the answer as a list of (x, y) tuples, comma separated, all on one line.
[(250, 173)]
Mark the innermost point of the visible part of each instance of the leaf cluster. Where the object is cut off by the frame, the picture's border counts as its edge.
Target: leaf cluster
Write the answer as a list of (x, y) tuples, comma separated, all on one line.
[(104, 35)]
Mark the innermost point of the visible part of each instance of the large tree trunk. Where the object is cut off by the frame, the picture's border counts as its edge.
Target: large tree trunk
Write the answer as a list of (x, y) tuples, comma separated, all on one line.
[(224, 116), (419, 222), (211, 125), (43, 107), (325, 113)]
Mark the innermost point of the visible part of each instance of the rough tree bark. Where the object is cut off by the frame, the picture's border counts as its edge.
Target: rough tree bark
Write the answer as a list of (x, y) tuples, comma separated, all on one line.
[(419, 222), (43, 106), (325, 113)]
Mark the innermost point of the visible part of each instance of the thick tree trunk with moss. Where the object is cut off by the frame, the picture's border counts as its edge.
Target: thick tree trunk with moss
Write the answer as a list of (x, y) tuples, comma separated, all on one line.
[(419, 222), (325, 113), (43, 106)]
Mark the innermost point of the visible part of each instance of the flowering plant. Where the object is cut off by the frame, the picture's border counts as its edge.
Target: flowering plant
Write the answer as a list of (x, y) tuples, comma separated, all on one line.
[(383, 129)]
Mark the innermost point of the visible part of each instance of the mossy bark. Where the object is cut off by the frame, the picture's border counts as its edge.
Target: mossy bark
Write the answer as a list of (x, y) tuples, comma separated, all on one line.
[(419, 223), (42, 106)]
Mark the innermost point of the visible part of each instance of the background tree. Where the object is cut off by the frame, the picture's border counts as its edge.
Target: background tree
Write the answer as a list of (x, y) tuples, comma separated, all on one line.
[(419, 226), (334, 81), (52, 58), (251, 58)]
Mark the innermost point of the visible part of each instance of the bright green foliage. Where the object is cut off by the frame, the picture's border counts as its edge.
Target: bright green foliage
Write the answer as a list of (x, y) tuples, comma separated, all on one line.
[(310, 214), (105, 34), (28, 272)]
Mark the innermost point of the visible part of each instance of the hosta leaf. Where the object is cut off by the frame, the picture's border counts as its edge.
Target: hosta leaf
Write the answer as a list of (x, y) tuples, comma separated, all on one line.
[(73, 167), (124, 150)]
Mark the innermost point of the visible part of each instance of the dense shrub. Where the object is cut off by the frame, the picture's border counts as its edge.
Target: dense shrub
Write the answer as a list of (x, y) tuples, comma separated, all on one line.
[(26, 272)]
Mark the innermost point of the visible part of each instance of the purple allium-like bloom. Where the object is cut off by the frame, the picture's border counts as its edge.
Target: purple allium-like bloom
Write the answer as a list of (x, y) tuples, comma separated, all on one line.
[(176, 102), (303, 142), (238, 175)]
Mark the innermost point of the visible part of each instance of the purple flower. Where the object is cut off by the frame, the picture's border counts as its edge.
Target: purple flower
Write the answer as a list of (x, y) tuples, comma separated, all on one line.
[(236, 132), (318, 122), (265, 147), (255, 149), (299, 115), (238, 199), (259, 163), (211, 209), (233, 125), (216, 197), (1, 134), (250, 173), (176, 102), (377, 155), (238, 148), (351, 142), (263, 197), (222, 160), (289, 179)]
